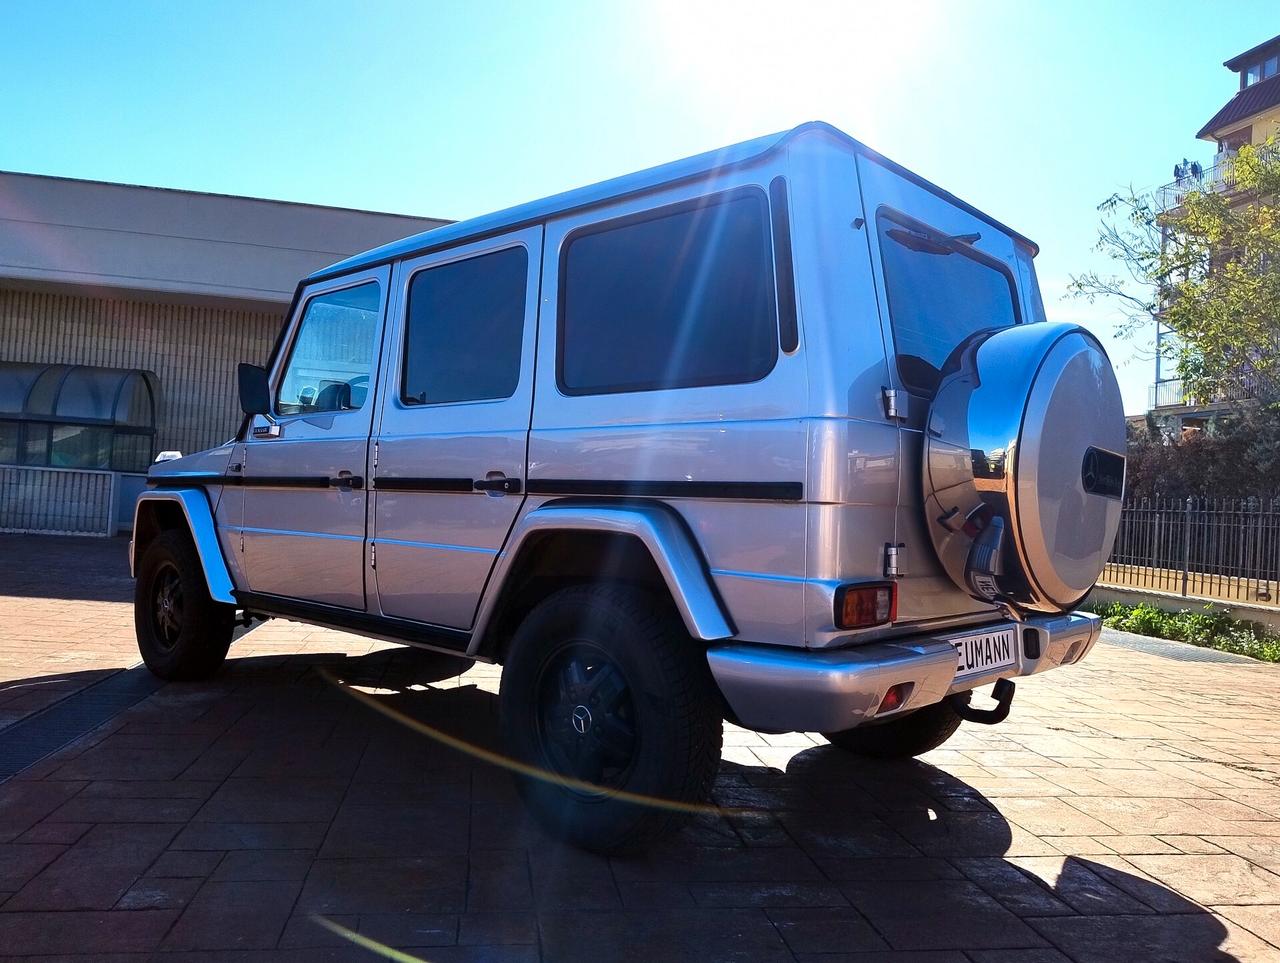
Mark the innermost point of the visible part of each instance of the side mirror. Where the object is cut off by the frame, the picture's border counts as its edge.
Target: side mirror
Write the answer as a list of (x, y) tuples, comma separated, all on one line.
[(255, 392)]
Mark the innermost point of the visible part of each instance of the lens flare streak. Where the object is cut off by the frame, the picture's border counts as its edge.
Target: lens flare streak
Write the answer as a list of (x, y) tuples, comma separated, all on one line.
[(523, 768), (366, 942)]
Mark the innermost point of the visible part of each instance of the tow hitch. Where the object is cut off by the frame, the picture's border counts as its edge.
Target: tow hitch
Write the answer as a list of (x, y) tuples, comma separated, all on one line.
[(1002, 693)]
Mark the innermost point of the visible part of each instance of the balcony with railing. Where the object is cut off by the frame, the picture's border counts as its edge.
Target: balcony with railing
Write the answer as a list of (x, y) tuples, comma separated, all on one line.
[(1219, 178), (1241, 387)]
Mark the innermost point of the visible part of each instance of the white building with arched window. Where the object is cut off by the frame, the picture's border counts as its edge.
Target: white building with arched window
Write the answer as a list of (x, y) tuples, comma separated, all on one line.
[(123, 313)]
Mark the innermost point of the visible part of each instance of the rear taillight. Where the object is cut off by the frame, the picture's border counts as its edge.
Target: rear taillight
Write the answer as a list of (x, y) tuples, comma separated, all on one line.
[(862, 606)]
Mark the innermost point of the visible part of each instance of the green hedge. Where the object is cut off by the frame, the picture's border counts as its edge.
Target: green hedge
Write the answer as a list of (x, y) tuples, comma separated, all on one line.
[(1207, 627)]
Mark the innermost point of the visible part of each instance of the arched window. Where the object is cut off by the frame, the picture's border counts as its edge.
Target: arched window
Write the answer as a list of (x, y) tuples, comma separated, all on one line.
[(74, 416)]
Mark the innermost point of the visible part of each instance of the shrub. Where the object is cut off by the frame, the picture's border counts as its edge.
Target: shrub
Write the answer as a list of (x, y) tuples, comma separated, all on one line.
[(1207, 627), (1238, 457)]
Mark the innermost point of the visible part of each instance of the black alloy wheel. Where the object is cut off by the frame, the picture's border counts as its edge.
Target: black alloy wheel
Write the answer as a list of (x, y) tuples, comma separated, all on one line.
[(182, 632), (166, 606), (610, 707), (586, 719)]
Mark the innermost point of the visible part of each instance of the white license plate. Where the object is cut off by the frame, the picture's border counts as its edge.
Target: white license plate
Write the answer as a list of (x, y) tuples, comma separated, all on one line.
[(982, 652)]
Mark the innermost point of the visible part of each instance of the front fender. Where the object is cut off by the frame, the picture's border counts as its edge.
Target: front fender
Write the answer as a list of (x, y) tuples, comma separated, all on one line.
[(194, 504), (661, 532)]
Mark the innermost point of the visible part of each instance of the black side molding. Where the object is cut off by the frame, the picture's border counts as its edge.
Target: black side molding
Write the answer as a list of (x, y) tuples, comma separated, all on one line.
[(280, 481), (746, 491), (621, 488), (256, 481), (385, 483), (192, 481)]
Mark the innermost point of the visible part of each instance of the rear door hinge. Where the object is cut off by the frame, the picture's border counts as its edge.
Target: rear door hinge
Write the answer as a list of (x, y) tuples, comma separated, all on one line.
[(894, 560), (375, 454), (895, 403), (373, 554)]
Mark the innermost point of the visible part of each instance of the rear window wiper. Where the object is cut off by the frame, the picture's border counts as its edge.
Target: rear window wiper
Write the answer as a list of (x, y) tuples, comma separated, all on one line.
[(924, 244), (921, 243)]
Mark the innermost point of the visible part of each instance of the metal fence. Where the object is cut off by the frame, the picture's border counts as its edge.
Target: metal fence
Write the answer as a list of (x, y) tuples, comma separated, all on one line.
[(57, 500), (1214, 548)]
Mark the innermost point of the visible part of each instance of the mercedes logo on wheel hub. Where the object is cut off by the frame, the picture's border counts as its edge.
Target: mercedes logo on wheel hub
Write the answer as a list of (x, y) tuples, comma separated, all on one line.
[(581, 719)]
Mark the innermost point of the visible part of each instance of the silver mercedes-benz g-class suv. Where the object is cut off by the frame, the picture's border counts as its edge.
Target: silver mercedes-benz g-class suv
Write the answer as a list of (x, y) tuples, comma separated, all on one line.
[(778, 434)]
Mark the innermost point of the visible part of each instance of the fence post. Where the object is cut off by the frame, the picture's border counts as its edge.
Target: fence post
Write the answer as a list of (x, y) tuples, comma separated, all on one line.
[(1186, 545)]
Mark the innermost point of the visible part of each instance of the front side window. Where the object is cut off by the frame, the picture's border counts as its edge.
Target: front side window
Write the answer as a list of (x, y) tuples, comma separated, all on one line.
[(941, 291), (332, 358), (677, 298), (463, 329)]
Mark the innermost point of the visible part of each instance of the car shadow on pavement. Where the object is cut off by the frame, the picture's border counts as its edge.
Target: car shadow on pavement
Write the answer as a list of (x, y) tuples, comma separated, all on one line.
[(79, 568), (841, 854), (283, 803)]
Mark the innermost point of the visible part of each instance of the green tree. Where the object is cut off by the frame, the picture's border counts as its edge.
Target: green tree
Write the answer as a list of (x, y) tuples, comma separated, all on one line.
[(1209, 269)]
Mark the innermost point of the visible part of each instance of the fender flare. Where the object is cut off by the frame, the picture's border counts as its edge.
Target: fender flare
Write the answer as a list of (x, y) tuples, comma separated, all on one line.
[(663, 534), (199, 517)]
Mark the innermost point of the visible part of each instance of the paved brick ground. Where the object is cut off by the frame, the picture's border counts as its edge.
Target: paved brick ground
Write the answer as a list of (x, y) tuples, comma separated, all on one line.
[(1128, 810), (50, 649)]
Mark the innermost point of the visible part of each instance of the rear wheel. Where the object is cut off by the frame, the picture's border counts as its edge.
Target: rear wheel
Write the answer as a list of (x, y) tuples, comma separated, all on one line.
[(603, 687), (903, 737), (182, 632)]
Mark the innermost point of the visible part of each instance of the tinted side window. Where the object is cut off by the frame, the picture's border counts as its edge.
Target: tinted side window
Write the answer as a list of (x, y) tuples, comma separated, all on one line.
[(464, 328), (940, 291), (332, 356), (678, 298)]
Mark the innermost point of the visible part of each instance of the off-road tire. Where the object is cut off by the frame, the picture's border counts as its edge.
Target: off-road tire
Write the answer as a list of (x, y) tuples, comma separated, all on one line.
[(192, 642), (901, 738), (674, 715)]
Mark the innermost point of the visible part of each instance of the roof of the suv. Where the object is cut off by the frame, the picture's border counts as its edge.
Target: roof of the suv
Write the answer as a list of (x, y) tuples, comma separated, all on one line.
[(697, 166)]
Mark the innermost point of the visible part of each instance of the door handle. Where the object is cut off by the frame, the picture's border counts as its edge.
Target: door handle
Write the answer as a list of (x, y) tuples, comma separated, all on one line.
[(346, 481), (502, 485)]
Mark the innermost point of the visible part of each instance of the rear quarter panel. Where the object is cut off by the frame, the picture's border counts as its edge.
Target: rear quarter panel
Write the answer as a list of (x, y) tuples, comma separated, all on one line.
[(755, 550)]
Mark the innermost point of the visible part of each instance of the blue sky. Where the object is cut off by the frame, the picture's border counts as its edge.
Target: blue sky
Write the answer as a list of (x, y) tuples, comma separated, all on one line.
[(1034, 111)]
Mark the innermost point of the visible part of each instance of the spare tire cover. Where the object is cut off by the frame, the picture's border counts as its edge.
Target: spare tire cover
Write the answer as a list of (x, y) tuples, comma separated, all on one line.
[(1024, 466)]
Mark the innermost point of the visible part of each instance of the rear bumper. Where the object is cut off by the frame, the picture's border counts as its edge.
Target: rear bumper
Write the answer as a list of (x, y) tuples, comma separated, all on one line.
[(784, 690)]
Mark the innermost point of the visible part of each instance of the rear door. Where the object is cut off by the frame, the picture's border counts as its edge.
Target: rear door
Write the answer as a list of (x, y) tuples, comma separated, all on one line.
[(453, 434), (942, 274), (303, 479)]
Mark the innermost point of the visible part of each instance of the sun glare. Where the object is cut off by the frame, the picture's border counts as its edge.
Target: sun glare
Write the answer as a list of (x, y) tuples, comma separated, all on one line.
[(763, 66)]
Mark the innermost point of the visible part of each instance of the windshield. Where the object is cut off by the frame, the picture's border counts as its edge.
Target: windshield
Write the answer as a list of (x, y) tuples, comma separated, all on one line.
[(940, 291)]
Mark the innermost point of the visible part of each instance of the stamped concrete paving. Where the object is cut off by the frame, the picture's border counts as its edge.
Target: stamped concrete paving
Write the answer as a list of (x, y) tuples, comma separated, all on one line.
[(1128, 810)]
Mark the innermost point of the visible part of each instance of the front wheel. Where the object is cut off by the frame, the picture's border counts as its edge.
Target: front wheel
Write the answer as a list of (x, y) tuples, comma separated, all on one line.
[(182, 632), (903, 737), (612, 704)]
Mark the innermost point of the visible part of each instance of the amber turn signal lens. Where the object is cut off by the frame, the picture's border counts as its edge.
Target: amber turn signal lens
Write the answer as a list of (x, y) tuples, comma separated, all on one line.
[(862, 606)]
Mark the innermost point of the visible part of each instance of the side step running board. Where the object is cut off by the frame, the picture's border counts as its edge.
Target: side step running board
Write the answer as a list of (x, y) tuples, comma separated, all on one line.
[(1003, 694)]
